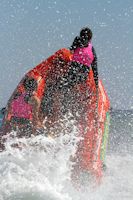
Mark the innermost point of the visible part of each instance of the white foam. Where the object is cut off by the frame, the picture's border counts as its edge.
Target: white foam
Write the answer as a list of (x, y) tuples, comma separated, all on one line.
[(41, 170)]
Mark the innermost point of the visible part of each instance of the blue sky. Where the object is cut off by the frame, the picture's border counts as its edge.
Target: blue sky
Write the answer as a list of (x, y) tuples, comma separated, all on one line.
[(31, 30)]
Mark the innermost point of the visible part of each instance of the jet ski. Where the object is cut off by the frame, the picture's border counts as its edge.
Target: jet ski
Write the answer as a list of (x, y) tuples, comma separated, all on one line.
[(91, 113)]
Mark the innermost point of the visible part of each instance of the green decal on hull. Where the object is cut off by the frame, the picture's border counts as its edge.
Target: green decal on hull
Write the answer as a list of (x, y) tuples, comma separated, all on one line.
[(105, 136)]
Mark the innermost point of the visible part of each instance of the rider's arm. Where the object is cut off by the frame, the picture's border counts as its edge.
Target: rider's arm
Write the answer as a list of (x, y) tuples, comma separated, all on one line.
[(94, 67), (35, 102)]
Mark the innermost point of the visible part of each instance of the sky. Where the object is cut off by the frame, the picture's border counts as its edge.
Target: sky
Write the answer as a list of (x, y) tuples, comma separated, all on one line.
[(32, 30)]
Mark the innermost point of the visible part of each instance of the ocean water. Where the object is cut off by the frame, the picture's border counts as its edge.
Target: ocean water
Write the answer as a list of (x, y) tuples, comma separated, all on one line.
[(38, 173), (1, 116)]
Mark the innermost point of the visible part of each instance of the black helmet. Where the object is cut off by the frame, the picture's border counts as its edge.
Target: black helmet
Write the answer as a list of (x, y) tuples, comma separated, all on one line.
[(86, 33), (30, 84)]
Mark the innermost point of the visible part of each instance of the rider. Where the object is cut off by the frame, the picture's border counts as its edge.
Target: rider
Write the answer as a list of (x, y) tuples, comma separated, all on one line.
[(84, 56), (23, 112)]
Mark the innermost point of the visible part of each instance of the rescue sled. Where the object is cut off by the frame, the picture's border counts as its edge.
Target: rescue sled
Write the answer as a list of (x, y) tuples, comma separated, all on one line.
[(93, 119)]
